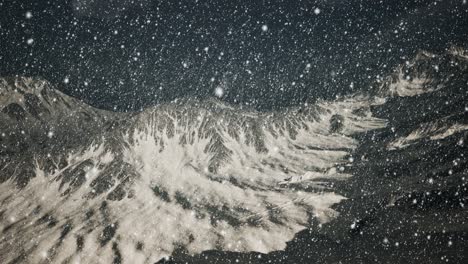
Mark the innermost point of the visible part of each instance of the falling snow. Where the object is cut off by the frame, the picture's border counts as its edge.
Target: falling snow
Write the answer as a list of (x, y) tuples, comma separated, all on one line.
[(233, 131)]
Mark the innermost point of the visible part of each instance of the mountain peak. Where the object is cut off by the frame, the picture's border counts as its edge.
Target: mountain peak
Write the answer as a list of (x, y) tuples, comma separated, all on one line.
[(427, 72)]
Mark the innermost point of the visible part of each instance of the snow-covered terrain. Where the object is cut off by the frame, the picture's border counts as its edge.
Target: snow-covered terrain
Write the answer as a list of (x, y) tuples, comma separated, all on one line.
[(83, 185)]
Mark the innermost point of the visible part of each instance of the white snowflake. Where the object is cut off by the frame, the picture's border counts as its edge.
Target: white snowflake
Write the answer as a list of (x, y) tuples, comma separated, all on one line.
[(219, 91)]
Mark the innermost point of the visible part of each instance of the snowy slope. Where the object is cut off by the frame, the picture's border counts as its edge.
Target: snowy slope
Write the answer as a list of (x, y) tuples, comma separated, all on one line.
[(79, 184)]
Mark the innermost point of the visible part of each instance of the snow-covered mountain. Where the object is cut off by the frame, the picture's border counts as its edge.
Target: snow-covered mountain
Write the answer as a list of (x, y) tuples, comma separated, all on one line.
[(79, 184)]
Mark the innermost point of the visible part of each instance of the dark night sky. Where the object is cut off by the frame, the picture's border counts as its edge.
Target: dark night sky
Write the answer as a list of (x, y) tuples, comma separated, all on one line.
[(128, 54)]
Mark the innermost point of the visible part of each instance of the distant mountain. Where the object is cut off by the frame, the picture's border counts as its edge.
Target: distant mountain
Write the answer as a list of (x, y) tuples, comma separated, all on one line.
[(200, 180)]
